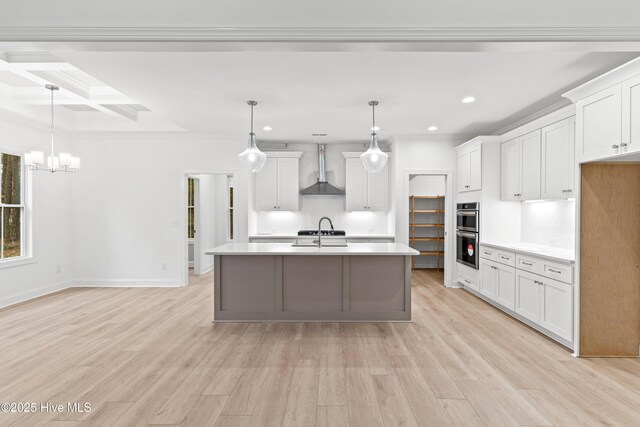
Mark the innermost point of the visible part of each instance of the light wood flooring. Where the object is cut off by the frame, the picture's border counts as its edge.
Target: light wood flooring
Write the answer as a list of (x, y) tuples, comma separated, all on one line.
[(146, 356)]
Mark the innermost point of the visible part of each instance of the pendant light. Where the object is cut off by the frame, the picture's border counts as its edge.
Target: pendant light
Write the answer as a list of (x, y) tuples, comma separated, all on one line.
[(252, 158), (63, 162), (374, 159)]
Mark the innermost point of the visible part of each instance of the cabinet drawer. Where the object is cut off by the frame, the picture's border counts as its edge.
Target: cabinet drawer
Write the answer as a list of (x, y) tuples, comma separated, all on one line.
[(561, 272), (508, 258), (468, 283), (534, 265), (488, 253)]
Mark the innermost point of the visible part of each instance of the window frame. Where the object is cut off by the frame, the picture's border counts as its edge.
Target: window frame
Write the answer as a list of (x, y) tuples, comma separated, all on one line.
[(26, 217)]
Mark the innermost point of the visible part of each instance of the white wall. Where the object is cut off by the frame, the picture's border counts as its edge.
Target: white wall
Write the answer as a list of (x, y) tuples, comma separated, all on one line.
[(312, 208), (53, 217), (550, 223), (130, 204), (426, 185)]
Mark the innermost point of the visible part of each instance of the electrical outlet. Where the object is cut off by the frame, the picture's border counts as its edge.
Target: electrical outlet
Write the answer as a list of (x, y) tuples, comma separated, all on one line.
[(58, 269), (163, 266)]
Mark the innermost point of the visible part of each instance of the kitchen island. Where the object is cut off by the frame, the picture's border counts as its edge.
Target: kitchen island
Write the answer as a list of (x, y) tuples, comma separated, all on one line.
[(281, 282)]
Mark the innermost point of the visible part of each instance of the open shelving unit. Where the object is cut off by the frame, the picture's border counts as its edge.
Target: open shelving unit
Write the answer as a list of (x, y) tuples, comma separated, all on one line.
[(427, 217)]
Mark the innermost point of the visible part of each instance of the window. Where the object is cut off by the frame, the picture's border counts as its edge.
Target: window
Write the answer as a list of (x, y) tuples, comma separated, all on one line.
[(191, 207), (11, 207), (230, 221)]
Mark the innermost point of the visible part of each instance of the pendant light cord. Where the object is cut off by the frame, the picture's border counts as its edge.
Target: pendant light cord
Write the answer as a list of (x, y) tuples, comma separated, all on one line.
[(373, 128), (251, 118), (52, 117)]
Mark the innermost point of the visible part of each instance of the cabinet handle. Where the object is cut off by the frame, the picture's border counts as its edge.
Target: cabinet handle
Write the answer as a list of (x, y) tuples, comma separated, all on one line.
[(569, 191), (487, 253), (622, 145), (555, 271), (467, 281), (615, 146), (538, 283), (526, 263), (504, 257)]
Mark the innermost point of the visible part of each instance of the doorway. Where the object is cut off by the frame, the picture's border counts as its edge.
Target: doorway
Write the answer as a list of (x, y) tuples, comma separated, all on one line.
[(209, 221), (427, 205)]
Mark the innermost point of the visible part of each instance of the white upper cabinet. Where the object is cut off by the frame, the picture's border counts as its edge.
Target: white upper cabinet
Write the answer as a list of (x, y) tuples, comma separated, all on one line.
[(365, 191), (520, 171), (599, 125), (630, 116), (277, 185), (558, 160), (470, 169)]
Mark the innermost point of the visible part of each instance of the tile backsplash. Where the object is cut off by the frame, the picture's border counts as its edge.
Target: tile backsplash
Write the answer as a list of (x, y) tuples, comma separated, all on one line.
[(550, 223)]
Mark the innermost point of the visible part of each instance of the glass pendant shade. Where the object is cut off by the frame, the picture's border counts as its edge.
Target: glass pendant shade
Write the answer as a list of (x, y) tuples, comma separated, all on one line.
[(374, 160), (252, 158)]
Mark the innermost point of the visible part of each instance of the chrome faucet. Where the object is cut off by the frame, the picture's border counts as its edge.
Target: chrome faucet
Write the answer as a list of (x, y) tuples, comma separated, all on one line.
[(320, 229)]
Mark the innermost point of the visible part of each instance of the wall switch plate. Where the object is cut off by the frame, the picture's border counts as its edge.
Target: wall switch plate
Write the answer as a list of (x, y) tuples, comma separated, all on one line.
[(58, 269), (163, 266)]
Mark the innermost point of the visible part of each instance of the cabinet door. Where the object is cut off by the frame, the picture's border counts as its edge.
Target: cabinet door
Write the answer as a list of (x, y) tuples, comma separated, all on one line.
[(510, 169), (631, 115), (378, 190), (488, 282), (599, 125), (475, 169), (288, 184), (558, 167), (266, 186), (556, 312), (528, 296), (355, 185), (464, 171), (506, 286), (530, 166)]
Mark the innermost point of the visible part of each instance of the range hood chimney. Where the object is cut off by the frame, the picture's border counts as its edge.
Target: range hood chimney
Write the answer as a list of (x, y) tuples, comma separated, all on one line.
[(322, 186)]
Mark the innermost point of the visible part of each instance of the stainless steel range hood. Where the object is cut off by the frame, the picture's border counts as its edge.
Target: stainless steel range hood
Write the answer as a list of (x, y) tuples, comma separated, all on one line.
[(322, 186)]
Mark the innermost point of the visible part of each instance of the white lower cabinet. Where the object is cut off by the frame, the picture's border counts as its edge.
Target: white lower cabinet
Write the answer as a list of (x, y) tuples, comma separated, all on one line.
[(534, 288), (546, 302), (506, 286), (498, 282)]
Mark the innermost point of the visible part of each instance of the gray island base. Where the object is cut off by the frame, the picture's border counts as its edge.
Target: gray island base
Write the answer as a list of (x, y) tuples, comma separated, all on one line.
[(269, 282)]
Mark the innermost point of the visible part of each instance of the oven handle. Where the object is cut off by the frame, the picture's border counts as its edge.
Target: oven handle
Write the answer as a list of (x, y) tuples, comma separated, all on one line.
[(469, 235), (466, 213)]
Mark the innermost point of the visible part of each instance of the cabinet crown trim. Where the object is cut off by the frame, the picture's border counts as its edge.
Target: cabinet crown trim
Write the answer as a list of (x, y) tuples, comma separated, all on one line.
[(611, 78), (478, 140)]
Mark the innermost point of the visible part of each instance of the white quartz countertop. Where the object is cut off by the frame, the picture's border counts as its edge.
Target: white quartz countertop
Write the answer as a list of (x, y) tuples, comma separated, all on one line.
[(550, 252), (295, 236), (287, 249)]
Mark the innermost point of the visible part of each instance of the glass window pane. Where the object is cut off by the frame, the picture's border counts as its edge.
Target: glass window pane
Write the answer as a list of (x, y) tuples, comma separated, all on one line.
[(191, 224), (10, 179), (11, 231)]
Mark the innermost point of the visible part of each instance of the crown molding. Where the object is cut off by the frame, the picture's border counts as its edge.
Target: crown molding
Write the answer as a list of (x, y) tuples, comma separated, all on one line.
[(560, 110), (319, 34), (616, 76)]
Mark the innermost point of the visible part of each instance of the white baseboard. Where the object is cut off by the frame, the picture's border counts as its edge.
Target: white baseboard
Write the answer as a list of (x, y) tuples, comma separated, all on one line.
[(34, 293), (131, 283), (206, 269)]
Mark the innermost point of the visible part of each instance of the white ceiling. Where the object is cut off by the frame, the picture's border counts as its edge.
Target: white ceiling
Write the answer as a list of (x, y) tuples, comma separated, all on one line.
[(314, 13), (304, 93)]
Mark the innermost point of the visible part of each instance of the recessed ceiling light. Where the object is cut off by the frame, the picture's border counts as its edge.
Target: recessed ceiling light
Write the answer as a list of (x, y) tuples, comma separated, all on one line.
[(432, 128), (318, 134), (468, 100), (267, 128), (375, 128)]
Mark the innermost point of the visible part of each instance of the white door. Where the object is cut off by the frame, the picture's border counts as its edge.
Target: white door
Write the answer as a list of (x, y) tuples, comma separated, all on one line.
[(599, 125), (510, 170), (378, 190), (288, 184), (488, 279), (530, 166), (558, 160), (556, 312), (528, 294), (506, 286), (464, 171), (631, 115), (475, 169), (266, 186), (355, 185)]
